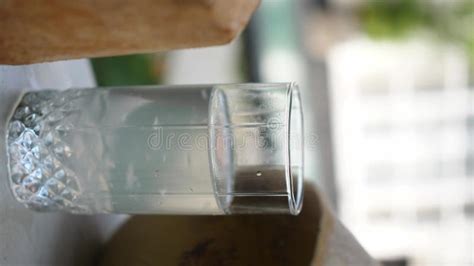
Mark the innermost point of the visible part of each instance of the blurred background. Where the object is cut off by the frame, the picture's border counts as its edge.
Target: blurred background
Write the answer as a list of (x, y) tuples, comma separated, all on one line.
[(388, 97)]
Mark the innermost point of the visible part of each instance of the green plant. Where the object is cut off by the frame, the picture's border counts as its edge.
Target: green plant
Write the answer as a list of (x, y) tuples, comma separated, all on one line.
[(124, 70), (451, 21)]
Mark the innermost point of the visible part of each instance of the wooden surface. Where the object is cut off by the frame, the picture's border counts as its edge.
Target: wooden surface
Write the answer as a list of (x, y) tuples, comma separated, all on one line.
[(240, 240), (46, 30)]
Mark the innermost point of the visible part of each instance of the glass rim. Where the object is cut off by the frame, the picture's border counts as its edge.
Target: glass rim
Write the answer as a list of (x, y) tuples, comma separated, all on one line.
[(294, 172)]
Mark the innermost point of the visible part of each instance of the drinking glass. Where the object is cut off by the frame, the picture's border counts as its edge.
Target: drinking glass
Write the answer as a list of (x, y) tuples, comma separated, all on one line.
[(200, 149)]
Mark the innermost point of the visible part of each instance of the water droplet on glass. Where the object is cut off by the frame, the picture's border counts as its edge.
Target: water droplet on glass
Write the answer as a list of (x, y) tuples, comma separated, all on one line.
[(259, 173)]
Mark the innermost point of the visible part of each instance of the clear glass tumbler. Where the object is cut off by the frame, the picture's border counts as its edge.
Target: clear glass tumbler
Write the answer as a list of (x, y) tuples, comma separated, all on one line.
[(201, 149)]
